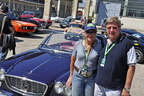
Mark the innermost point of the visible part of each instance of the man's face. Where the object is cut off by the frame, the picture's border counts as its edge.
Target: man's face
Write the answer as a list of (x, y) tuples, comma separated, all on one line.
[(113, 31)]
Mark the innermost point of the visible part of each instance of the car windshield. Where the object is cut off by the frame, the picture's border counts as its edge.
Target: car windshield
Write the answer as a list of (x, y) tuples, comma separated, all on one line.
[(28, 12), (139, 36), (76, 25), (59, 43)]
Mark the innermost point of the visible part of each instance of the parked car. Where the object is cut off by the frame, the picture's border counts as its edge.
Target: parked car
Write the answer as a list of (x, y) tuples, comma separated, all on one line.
[(31, 16), (27, 14), (138, 39), (44, 23), (57, 19), (39, 72), (39, 26), (66, 22), (21, 26), (72, 35), (75, 28)]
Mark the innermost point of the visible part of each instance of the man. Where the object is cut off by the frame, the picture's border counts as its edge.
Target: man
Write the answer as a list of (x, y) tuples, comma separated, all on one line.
[(6, 30), (116, 65)]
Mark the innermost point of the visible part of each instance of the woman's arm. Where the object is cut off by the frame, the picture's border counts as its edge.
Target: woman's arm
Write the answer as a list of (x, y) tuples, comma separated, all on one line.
[(69, 81), (72, 65)]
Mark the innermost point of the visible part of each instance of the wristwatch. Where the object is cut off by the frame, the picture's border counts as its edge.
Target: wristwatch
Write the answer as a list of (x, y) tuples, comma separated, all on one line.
[(127, 89)]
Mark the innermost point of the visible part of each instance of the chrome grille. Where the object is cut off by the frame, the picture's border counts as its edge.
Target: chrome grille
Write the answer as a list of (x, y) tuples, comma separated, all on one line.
[(28, 28), (25, 86)]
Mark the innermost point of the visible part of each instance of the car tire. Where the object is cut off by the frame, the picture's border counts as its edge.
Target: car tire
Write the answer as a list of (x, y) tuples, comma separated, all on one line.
[(140, 55), (62, 26), (47, 27), (67, 37)]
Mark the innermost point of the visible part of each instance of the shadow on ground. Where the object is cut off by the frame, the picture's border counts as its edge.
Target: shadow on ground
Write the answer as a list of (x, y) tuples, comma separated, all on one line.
[(18, 40), (28, 35), (48, 31)]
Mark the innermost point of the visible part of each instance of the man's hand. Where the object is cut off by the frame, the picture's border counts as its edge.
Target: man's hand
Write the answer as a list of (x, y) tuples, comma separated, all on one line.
[(125, 93)]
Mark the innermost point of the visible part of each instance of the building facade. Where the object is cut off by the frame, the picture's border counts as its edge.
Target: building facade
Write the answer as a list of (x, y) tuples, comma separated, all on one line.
[(18, 6), (131, 8), (61, 8)]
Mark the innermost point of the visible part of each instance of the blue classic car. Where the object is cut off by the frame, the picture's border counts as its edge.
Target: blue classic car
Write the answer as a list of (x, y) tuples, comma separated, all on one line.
[(39, 72), (138, 40)]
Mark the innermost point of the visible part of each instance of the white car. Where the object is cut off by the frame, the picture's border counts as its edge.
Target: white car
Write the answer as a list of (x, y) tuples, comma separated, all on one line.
[(57, 19)]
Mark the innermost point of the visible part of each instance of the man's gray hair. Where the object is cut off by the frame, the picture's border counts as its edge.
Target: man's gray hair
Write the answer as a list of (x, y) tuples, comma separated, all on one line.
[(114, 19)]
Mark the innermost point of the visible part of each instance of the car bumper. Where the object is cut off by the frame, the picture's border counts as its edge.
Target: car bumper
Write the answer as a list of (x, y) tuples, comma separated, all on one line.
[(8, 93), (5, 93)]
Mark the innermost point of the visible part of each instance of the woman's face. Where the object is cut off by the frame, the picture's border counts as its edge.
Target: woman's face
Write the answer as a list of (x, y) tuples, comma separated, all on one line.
[(90, 36)]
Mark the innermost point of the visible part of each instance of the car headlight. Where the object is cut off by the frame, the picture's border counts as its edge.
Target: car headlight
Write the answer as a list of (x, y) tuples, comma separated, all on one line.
[(19, 24), (2, 72), (136, 44), (67, 91), (62, 89), (59, 87)]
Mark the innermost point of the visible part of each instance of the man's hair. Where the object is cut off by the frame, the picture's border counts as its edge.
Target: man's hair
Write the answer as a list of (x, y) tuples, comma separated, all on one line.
[(114, 19)]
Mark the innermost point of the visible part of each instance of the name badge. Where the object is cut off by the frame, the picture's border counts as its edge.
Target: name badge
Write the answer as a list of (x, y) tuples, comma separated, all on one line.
[(85, 67), (103, 61)]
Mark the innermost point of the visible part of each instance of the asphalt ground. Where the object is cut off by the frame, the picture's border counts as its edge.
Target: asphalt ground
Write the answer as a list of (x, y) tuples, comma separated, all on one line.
[(26, 42)]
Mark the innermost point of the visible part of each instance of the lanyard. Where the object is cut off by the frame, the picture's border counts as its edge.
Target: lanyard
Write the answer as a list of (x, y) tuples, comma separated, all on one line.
[(108, 50), (86, 54)]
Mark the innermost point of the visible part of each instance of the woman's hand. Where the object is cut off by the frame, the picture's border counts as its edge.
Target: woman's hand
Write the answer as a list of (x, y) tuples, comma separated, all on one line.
[(69, 81)]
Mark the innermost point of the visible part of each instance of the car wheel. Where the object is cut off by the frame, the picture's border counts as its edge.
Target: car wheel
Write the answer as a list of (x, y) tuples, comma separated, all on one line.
[(67, 37), (62, 26), (47, 27), (36, 31), (140, 55)]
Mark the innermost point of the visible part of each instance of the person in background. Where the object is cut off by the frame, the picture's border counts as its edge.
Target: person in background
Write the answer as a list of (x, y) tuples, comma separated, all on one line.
[(83, 63), (89, 20), (6, 30), (116, 64)]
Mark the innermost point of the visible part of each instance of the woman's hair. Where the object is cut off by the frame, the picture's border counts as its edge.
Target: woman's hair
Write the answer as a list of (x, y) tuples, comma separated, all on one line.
[(114, 19)]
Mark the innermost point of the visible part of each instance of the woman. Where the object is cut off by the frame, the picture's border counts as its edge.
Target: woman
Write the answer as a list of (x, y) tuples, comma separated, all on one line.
[(84, 62)]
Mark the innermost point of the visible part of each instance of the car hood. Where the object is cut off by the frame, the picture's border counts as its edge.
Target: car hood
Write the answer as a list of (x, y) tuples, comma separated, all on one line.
[(41, 66), (38, 19), (75, 30), (24, 23)]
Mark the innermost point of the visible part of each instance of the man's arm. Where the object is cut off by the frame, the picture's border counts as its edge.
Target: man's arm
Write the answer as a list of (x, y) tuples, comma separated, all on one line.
[(131, 61), (129, 78)]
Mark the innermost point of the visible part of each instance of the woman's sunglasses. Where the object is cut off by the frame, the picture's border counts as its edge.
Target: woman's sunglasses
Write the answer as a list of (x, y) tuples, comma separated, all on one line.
[(90, 32)]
